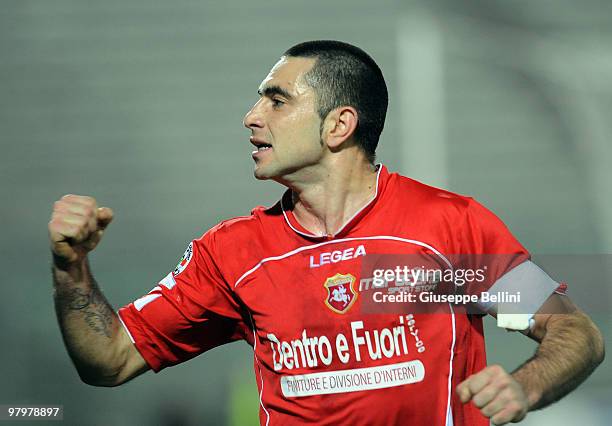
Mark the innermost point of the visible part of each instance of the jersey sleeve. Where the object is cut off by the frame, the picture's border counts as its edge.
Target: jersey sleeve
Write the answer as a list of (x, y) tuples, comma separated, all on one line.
[(506, 266), (190, 311), (486, 241)]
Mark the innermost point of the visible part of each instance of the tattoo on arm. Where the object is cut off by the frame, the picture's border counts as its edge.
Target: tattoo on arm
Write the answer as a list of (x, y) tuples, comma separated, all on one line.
[(88, 300), (97, 313)]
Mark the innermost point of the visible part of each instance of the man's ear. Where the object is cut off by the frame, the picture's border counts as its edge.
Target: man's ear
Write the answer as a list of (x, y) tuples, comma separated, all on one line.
[(339, 125)]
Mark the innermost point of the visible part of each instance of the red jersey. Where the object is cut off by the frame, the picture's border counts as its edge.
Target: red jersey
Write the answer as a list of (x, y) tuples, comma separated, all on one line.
[(298, 300)]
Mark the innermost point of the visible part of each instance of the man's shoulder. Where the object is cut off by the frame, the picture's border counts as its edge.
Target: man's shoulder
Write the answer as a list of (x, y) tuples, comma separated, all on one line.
[(247, 228), (238, 243), (440, 205), (238, 225), (423, 196)]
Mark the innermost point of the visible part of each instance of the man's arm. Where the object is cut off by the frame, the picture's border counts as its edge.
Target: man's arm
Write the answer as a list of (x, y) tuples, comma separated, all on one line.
[(570, 348), (100, 348)]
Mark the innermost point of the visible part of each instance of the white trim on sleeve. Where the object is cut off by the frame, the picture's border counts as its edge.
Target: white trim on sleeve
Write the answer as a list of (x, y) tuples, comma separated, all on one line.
[(125, 327), (145, 300)]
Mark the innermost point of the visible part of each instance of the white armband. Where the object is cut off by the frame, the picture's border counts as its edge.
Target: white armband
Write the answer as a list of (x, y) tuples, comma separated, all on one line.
[(531, 285)]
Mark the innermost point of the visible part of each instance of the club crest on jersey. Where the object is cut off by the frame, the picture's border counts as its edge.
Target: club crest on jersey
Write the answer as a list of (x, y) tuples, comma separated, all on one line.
[(184, 260), (340, 292)]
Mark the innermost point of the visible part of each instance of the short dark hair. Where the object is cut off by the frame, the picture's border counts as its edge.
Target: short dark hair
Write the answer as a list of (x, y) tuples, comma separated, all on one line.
[(344, 75)]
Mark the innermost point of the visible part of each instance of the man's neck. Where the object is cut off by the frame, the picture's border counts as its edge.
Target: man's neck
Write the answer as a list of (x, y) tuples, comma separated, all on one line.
[(333, 195)]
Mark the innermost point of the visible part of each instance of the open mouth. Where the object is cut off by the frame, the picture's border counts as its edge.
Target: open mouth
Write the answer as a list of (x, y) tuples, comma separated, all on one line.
[(260, 145)]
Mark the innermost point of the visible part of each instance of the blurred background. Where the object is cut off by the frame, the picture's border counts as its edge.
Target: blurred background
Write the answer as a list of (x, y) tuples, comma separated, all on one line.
[(140, 103)]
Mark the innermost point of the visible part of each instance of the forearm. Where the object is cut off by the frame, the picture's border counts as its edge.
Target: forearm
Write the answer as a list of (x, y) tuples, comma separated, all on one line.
[(87, 321), (572, 347)]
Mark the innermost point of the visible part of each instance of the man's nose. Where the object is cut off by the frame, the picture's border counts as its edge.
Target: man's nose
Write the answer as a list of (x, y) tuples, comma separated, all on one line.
[(253, 117)]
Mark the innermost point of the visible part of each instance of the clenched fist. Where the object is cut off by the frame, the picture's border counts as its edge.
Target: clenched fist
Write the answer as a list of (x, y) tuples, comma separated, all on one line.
[(498, 395), (76, 227)]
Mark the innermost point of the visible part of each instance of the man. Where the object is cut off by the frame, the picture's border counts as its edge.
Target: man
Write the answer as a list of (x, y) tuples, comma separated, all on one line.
[(292, 279)]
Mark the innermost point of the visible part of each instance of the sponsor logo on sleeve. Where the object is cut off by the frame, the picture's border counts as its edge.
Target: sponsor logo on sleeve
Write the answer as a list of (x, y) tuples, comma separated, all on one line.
[(184, 260)]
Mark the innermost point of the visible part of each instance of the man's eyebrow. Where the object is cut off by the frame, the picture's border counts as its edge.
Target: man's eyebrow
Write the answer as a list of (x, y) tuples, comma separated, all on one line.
[(270, 91)]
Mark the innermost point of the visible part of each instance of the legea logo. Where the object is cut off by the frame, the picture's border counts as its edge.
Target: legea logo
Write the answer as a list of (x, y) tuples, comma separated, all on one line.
[(336, 256)]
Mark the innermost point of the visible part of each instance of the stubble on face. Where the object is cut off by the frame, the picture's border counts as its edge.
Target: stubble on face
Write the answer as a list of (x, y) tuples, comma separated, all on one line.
[(291, 126)]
